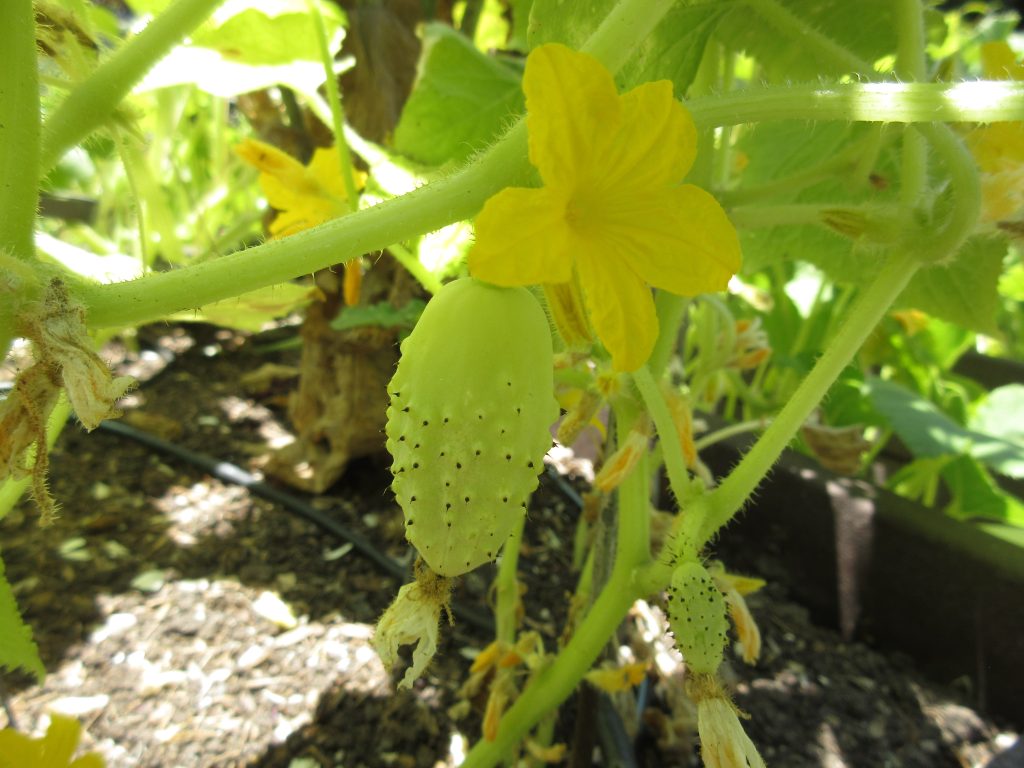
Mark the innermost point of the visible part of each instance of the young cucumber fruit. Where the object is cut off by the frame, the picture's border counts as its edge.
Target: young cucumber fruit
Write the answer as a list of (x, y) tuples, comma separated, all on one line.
[(697, 615), (471, 404)]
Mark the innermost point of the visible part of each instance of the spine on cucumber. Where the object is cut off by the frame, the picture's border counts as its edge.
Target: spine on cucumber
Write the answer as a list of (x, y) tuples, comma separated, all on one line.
[(468, 425)]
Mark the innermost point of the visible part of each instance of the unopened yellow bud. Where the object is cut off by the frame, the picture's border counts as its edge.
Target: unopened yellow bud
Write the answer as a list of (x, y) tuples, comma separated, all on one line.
[(615, 679), (271, 160), (565, 300), (552, 754), (682, 417), (497, 702), (353, 282), (578, 417), (622, 462)]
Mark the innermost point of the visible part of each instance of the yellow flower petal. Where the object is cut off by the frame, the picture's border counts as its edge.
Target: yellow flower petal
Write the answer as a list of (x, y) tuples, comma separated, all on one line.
[(656, 143), (621, 308), (271, 160), (678, 239), (325, 169), (998, 62), (521, 239), (572, 106), (616, 679), (18, 750)]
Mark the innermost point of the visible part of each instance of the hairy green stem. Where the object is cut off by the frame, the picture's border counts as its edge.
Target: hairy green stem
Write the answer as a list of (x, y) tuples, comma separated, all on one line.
[(910, 66), (428, 208), (978, 101), (943, 241), (19, 128), (348, 176), (668, 435), (734, 491), (507, 586), (754, 425), (552, 686), (93, 101), (818, 47), (629, 23)]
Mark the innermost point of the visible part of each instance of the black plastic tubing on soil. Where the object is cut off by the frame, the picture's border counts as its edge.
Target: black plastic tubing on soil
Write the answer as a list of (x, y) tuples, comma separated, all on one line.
[(232, 473)]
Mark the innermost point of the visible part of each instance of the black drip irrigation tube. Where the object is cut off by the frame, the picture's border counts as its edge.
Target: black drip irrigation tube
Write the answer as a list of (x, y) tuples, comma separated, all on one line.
[(236, 475)]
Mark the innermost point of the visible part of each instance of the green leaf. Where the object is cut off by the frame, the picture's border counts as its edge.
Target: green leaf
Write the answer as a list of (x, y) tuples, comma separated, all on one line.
[(17, 648), (976, 495), (965, 292), (672, 51), (929, 432), (794, 150), (383, 315), (866, 28), (919, 480), (251, 311), (1000, 414), (461, 101), (1011, 284), (257, 37)]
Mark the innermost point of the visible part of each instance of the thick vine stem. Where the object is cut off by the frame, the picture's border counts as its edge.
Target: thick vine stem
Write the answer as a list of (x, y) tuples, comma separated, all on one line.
[(553, 685), (506, 586), (668, 435), (911, 66), (734, 491), (977, 101), (19, 128), (94, 100), (430, 207)]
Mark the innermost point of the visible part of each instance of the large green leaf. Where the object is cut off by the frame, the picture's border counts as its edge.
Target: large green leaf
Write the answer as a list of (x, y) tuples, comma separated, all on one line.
[(789, 150), (928, 432), (865, 28), (976, 495), (671, 52), (460, 102), (965, 291), (382, 315), (1002, 414), (17, 648)]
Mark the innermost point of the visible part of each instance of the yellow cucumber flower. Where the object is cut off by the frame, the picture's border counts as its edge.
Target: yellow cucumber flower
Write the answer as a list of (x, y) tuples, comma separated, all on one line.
[(998, 148), (611, 208), (305, 196), (54, 750)]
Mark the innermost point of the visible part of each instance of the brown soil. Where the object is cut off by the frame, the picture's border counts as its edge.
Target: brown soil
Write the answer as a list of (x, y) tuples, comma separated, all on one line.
[(146, 598)]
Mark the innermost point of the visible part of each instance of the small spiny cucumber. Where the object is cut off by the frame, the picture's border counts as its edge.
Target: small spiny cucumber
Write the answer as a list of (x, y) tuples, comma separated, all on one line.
[(471, 404), (697, 615)]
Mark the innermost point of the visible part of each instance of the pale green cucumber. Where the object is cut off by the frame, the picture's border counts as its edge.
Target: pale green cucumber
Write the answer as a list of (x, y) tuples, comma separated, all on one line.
[(472, 402)]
